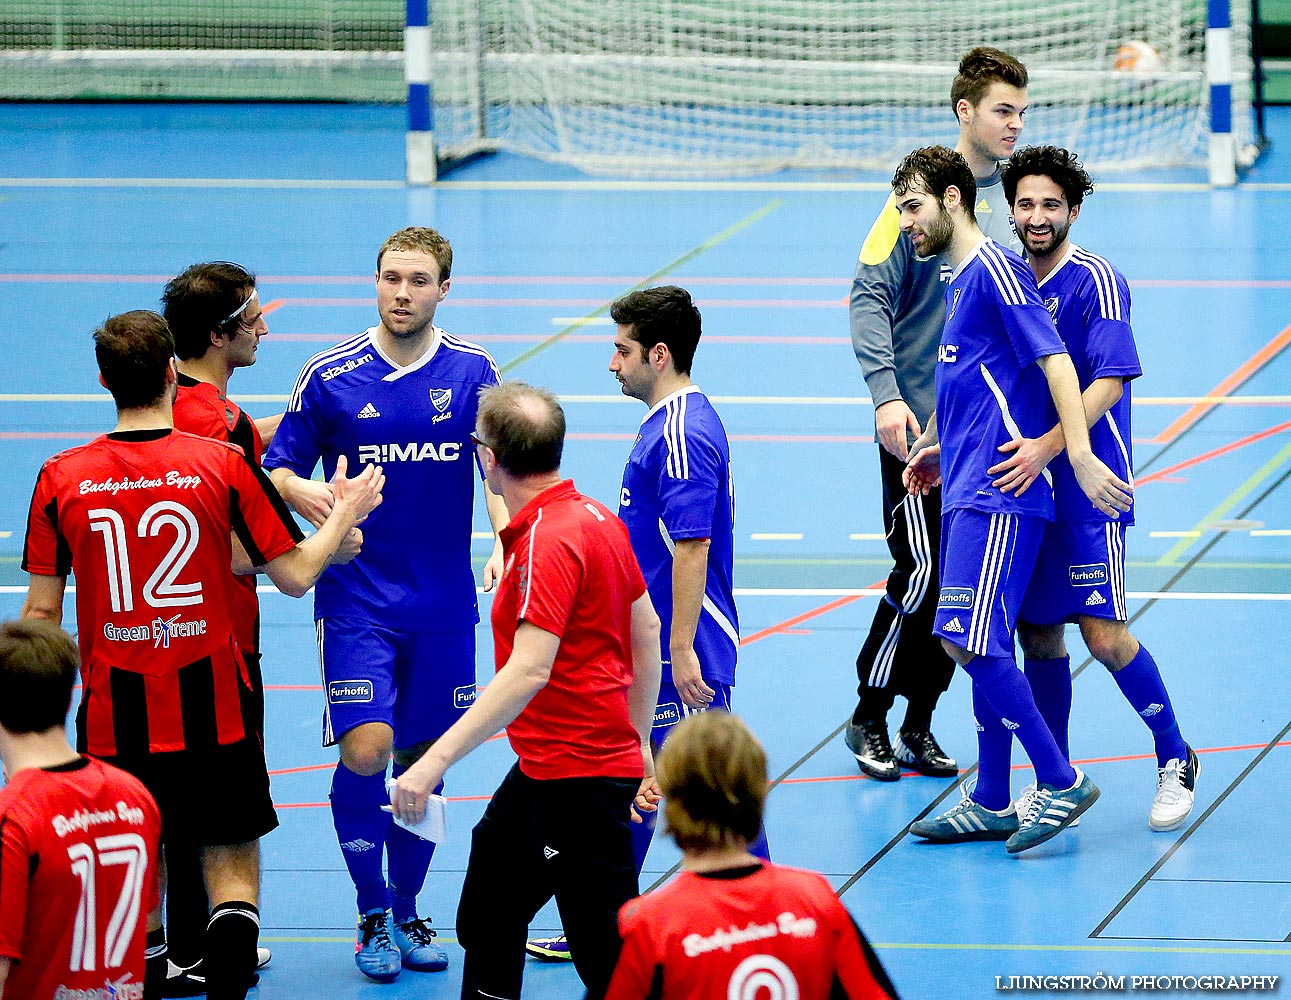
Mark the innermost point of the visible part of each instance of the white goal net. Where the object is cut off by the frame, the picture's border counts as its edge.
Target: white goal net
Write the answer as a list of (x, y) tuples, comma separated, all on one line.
[(666, 87)]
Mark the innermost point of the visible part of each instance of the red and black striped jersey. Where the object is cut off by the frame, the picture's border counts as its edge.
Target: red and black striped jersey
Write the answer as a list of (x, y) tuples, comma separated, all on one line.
[(143, 519), (78, 877), (200, 408)]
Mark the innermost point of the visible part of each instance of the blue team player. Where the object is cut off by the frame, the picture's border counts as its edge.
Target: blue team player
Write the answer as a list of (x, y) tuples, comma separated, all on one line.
[(396, 626), (1080, 573), (678, 502), (998, 350)]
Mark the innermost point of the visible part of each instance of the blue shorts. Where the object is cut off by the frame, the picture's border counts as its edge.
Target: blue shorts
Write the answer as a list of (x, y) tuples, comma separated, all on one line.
[(1080, 571), (418, 683), (986, 563), (670, 709)]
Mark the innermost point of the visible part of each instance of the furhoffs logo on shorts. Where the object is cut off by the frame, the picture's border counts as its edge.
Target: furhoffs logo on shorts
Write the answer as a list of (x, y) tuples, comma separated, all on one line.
[(1088, 575), (349, 692), (464, 696), (666, 714), (955, 597)]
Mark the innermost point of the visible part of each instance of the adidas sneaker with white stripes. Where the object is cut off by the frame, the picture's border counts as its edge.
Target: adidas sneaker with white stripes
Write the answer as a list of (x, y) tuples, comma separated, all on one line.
[(967, 821), (1050, 811)]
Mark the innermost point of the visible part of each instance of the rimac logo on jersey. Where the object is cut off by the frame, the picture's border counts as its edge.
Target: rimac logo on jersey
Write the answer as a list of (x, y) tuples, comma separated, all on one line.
[(330, 373), (947, 354), (955, 597), (464, 696), (1089, 575), (413, 451), (349, 692)]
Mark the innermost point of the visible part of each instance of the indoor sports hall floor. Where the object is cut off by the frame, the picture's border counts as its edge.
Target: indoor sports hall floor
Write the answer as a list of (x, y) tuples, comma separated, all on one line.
[(100, 205)]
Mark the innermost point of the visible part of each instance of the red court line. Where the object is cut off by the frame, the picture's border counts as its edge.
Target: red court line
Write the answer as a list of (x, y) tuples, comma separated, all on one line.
[(1214, 453), (586, 279), (805, 616), (272, 305), (1243, 372), (495, 303)]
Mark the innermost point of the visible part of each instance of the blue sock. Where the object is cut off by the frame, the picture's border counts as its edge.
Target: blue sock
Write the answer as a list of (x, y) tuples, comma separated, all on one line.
[(1050, 682), (1140, 681), (1008, 693), (994, 755), (408, 857), (361, 829)]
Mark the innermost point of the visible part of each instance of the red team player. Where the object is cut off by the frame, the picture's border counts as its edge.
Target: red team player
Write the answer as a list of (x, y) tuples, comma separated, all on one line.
[(732, 925), (143, 516), (78, 839)]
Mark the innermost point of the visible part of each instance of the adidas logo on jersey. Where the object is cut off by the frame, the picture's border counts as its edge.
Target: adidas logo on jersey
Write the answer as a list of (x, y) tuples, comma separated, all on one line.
[(357, 846), (953, 626), (1153, 709), (368, 411), (1095, 599), (549, 853), (1009, 724)]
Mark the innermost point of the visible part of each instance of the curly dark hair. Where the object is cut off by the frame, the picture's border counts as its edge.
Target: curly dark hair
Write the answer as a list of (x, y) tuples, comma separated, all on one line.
[(1059, 165), (937, 168)]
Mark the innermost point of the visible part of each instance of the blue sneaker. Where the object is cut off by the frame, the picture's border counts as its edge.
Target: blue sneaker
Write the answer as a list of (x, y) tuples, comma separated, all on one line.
[(1050, 811), (415, 940), (375, 953), (968, 821), (552, 949)]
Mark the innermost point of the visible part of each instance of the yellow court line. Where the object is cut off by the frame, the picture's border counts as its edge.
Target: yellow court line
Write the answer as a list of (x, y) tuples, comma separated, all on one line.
[(1233, 499), (1174, 534)]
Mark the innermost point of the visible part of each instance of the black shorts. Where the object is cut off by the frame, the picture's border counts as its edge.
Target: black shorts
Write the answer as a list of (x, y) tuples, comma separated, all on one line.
[(211, 797)]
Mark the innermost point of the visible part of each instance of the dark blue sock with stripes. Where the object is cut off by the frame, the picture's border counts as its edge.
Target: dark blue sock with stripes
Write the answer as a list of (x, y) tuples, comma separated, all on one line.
[(994, 755), (408, 858), (1050, 682), (361, 830), (1140, 681), (1009, 694)]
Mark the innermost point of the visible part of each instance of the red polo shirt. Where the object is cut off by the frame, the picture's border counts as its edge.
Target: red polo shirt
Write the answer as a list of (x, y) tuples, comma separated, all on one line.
[(569, 570)]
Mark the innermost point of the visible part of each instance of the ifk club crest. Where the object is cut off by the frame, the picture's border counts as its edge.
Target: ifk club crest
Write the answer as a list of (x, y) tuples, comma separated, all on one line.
[(441, 399)]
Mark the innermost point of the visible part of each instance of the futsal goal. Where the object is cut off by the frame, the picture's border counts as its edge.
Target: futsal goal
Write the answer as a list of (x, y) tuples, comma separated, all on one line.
[(673, 88)]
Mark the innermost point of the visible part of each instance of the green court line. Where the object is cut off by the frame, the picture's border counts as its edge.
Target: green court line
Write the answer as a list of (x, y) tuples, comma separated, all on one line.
[(1233, 499), (668, 268)]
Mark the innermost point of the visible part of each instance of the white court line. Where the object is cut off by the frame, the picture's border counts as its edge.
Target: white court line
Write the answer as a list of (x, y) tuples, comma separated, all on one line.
[(809, 187), (1270, 532), (103, 397), (1137, 595)]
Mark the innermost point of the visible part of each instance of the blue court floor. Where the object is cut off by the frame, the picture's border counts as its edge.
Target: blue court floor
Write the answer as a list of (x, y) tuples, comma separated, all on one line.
[(100, 205)]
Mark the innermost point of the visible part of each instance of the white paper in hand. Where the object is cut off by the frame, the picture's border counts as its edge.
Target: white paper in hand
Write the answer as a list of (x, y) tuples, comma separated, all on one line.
[(433, 827)]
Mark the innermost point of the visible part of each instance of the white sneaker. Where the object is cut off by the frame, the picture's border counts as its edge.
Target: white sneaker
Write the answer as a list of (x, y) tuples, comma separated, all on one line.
[(263, 955), (1176, 788), (1025, 798)]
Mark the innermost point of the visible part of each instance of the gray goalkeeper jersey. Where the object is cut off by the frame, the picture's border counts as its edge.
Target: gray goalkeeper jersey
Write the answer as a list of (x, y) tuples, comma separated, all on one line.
[(897, 310)]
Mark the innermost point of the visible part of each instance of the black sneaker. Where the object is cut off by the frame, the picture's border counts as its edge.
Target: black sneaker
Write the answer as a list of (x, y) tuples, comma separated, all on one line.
[(182, 982), (868, 742), (920, 751)]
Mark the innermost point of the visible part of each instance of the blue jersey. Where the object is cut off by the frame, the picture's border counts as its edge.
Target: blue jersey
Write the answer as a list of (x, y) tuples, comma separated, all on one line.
[(989, 389), (1090, 303), (677, 485), (415, 421)]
